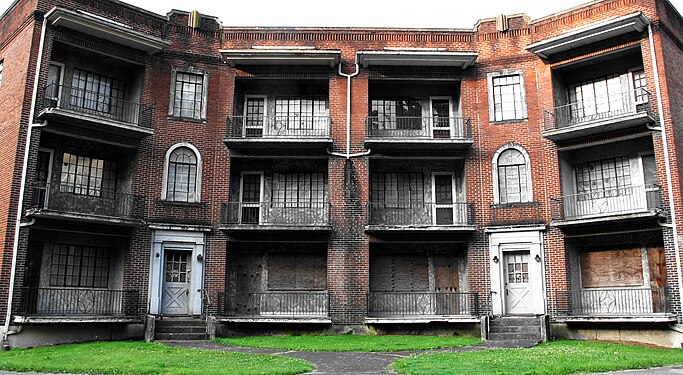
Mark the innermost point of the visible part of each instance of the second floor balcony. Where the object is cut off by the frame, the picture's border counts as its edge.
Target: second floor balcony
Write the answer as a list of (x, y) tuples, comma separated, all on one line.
[(391, 134), (278, 216), (414, 307), (588, 115), (88, 205), (278, 132), (100, 115), (420, 216), (621, 203), (615, 304)]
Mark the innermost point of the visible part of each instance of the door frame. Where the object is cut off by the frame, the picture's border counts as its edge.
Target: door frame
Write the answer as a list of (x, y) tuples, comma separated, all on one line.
[(265, 113), (451, 124), (191, 239), (519, 249), (60, 82), (510, 240), (50, 165), (260, 200), (454, 197)]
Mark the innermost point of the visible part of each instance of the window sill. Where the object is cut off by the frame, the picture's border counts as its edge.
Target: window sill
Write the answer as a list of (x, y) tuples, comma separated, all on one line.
[(187, 119), (503, 122), (182, 204)]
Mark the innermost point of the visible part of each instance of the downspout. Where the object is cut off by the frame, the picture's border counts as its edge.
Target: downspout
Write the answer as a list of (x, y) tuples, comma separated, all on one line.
[(22, 187), (348, 154), (667, 163)]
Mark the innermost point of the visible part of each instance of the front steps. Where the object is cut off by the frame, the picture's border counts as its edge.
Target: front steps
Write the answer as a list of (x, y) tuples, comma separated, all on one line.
[(509, 331), (179, 329)]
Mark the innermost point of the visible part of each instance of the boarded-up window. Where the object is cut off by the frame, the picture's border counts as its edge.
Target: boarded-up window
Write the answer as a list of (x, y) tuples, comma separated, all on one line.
[(287, 271), (611, 268), (446, 273), (657, 262), (399, 273)]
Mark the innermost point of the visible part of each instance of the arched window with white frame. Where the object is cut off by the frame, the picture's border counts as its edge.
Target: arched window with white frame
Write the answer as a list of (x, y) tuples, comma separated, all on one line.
[(511, 175), (182, 174)]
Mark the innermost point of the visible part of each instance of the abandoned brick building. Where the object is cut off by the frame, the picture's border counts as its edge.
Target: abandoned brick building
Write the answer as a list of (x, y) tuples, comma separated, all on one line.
[(521, 172)]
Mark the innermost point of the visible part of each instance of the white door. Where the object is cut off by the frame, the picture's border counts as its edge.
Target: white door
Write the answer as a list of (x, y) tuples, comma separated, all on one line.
[(53, 90), (175, 298), (518, 296), (251, 198), (254, 116), (442, 123)]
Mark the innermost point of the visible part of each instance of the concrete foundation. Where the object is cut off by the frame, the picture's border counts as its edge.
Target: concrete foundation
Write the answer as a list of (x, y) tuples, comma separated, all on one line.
[(659, 335), (48, 334)]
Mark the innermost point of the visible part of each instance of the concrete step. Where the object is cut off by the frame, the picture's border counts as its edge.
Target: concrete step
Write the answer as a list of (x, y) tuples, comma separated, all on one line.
[(515, 321), (179, 336), (516, 329), (512, 343), (180, 329)]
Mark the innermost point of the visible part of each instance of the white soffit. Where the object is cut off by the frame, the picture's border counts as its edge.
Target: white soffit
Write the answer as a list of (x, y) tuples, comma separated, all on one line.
[(104, 28), (590, 34), (416, 58), (285, 56)]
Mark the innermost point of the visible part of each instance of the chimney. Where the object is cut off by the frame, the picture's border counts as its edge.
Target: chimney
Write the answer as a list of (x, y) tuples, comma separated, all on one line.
[(194, 20), (502, 23)]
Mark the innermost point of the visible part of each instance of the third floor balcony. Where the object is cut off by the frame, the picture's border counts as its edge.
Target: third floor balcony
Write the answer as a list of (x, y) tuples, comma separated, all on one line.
[(275, 216), (458, 216), (262, 132), (415, 133)]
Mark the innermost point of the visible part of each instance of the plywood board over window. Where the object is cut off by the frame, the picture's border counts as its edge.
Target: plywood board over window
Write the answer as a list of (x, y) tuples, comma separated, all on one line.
[(656, 260), (399, 273), (297, 271), (611, 268)]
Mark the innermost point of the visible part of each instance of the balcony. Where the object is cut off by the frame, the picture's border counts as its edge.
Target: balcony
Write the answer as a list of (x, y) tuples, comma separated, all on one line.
[(598, 115), (405, 134), (422, 307), (263, 133), (101, 207), (94, 115), (276, 307), (56, 305), (615, 304), (521, 213), (420, 217), (275, 216), (625, 203)]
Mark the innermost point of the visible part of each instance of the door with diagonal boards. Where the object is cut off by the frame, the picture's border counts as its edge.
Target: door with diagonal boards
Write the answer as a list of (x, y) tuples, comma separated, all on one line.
[(518, 297), (175, 299)]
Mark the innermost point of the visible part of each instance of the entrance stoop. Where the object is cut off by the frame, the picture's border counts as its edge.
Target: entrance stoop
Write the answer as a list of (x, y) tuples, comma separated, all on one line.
[(180, 329)]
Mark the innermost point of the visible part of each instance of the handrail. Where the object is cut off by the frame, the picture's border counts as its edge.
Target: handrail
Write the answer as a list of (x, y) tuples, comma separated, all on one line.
[(402, 127), (620, 200), (420, 213), (290, 126)]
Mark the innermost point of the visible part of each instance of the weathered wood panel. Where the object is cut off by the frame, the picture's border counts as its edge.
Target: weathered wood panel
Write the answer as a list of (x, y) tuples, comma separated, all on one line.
[(657, 262), (303, 271), (611, 268), (399, 273), (446, 273)]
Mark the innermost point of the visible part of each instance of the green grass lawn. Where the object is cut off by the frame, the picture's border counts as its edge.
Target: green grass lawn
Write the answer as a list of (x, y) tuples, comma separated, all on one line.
[(350, 343), (145, 358), (557, 357)]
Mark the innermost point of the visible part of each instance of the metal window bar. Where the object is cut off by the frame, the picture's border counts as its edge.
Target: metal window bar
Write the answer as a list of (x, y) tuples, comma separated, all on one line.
[(276, 213), (417, 214), (616, 302), (398, 127), (406, 304), (89, 102), (585, 111), (79, 301), (115, 205), (623, 200), (275, 303), (294, 126)]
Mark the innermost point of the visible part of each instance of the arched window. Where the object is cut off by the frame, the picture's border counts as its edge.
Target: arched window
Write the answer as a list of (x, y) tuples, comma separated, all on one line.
[(182, 173), (511, 173)]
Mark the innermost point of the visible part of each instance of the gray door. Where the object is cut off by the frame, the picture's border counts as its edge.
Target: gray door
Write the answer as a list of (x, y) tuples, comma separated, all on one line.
[(175, 299), (518, 297)]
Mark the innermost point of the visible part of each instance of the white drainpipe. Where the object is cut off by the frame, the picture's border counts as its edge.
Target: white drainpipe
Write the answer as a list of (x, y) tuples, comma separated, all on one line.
[(667, 163), (348, 154), (22, 187)]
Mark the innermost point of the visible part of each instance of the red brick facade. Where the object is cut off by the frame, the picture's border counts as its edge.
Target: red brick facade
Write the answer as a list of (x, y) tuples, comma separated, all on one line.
[(349, 237)]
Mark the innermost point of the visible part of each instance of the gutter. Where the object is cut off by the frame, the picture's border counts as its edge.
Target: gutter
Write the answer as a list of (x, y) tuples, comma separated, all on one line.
[(22, 188), (667, 162)]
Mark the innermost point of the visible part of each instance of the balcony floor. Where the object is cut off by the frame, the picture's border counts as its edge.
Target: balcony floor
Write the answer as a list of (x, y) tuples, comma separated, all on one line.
[(241, 228), (601, 219), (250, 145), (420, 229), (605, 125), (73, 319), (84, 218), (423, 319), (407, 144), (654, 318), (274, 319)]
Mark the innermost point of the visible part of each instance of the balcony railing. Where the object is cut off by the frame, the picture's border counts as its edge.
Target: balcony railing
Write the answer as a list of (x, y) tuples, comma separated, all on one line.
[(97, 104), (96, 202), (274, 304), (418, 128), (279, 127), (597, 108), (415, 304), (607, 202), (615, 302), (421, 214), (515, 213), (276, 213), (79, 302)]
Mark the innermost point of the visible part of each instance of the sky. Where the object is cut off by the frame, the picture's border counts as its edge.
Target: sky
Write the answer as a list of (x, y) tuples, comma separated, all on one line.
[(458, 14)]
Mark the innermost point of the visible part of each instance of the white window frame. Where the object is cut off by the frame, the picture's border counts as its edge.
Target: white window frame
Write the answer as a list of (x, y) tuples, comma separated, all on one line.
[(198, 183), (527, 160), (50, 165), (450, 114), (492, 110), (205, 91), (251, 204), (265, 114), (632, 85), (454, 199)]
